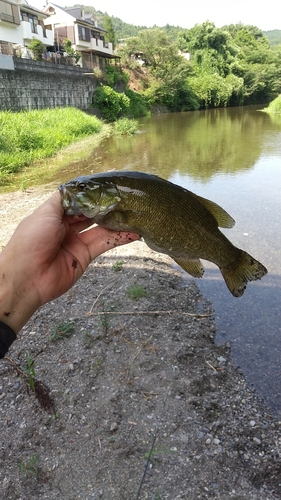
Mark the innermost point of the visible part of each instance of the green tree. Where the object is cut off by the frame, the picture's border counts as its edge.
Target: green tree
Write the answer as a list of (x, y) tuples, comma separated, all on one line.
[(110, 33), (259, 64), (168, 68)]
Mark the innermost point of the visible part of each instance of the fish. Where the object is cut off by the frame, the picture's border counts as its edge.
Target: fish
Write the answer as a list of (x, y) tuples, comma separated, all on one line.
[(171, 220)]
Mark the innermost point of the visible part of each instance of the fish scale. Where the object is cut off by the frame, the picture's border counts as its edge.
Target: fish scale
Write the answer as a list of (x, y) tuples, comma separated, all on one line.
[(171, 220)]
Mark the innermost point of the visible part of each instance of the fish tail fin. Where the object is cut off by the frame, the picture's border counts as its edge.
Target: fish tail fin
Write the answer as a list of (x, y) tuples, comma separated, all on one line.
[(245, 268)]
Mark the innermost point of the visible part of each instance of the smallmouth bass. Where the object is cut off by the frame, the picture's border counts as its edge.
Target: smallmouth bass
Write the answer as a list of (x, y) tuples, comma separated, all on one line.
[(171, 220)]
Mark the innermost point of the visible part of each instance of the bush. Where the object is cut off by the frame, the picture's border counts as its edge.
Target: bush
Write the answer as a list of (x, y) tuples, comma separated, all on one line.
[(112, 104), (114, 75), (138, 104), (125, 126), (274, 106), (37, 48)]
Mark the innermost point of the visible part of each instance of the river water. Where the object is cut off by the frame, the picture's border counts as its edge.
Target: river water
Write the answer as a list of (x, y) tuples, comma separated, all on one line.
[(233, 157)]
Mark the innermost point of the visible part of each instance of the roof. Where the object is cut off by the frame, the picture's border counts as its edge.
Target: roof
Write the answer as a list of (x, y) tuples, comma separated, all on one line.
[(76, 13), (30, 8), (100, 53)]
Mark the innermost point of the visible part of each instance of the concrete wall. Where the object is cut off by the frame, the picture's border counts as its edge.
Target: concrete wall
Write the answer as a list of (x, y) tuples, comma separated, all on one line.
[(39, 84)]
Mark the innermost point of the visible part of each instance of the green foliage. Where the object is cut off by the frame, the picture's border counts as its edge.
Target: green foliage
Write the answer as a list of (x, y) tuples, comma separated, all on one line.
[(274, 106), (118, 266), (25, 136), (125, 126), (110, 33), (213, 90), (29, 467), (37, 47), (111, 103), (138, 104), (274, 37), (62, 330), (136, 292), (113, 75), (67, 45), (30, 372)]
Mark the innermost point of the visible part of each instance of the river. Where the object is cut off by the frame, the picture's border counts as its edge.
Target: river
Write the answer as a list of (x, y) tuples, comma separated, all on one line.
[(233, 157)]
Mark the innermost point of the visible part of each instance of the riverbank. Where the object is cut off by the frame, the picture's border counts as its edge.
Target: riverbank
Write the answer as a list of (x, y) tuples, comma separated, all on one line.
[(33, 136), (145, 405)]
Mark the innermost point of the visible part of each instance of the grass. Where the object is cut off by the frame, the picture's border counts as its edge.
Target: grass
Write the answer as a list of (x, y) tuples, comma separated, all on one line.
[(62, 330), (30, 372), (136, 292), (125, 126), (30, 467), (118, 266), (28, 136)]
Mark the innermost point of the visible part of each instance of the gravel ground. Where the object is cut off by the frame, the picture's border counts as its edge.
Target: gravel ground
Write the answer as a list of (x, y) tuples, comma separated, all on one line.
[(133, 399)]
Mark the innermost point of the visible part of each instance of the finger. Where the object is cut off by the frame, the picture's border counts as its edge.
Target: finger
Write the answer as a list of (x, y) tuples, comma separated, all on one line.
[(79, 225), (99, 239)]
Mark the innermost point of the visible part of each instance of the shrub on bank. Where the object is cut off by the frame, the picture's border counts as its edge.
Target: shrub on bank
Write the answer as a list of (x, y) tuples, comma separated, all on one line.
[(274, 106), (111, 103)]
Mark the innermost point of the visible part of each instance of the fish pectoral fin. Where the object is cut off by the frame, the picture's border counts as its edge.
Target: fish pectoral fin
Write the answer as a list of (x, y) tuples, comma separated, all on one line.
[(191, 266), (222, 217)]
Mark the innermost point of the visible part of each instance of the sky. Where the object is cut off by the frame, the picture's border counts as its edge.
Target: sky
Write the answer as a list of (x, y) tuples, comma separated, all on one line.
[(264, 15)]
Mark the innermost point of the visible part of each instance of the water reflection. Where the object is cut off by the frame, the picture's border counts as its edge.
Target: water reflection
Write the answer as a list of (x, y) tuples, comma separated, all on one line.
[(232, 156)]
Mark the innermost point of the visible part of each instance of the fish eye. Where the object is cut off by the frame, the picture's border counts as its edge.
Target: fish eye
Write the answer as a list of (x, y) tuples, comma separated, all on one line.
[(81, 186)]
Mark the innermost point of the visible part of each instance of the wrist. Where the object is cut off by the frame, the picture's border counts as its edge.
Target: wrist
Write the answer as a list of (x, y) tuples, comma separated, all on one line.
[(17, 303), (7, 337)]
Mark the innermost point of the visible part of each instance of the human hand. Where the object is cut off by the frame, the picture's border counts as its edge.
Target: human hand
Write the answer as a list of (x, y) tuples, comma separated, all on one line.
[(45, 257)]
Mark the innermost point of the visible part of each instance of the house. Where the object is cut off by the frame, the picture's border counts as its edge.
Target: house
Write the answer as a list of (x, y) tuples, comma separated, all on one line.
[(85, 35), (19, 24)]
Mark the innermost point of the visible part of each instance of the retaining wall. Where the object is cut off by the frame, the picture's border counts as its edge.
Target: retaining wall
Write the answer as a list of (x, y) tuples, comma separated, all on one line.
[(29, 84)]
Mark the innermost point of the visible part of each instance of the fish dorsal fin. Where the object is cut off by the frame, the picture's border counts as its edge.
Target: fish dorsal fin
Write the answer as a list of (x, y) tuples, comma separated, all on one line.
[(191, 266), (222, 217)]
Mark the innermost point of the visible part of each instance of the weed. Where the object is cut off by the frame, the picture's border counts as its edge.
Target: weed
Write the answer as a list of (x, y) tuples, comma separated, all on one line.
[(30, 372), (62, 330), (23, 184), (30, 467), (54, 417), (136, 292), (155, 452), (104, 321), (118, 266), (88, 339), (125, 126)]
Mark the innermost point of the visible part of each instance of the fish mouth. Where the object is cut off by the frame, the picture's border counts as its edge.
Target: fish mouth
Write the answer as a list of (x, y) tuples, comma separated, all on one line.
[(68, 201)]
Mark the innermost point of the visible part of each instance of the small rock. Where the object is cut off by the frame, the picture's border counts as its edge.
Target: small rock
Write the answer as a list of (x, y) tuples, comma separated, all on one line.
[(113, 427)]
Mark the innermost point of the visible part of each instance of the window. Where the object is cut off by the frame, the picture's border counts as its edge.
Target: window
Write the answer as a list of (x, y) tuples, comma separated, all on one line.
[(9, 13), (41, 23), (30, 18), (84, 33)]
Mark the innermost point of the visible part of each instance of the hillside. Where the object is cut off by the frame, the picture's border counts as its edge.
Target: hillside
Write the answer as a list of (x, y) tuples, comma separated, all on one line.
[(125, 30)]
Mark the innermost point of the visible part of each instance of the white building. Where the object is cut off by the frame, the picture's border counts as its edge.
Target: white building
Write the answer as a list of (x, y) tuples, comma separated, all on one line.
[(86, 37), (19, 24)]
